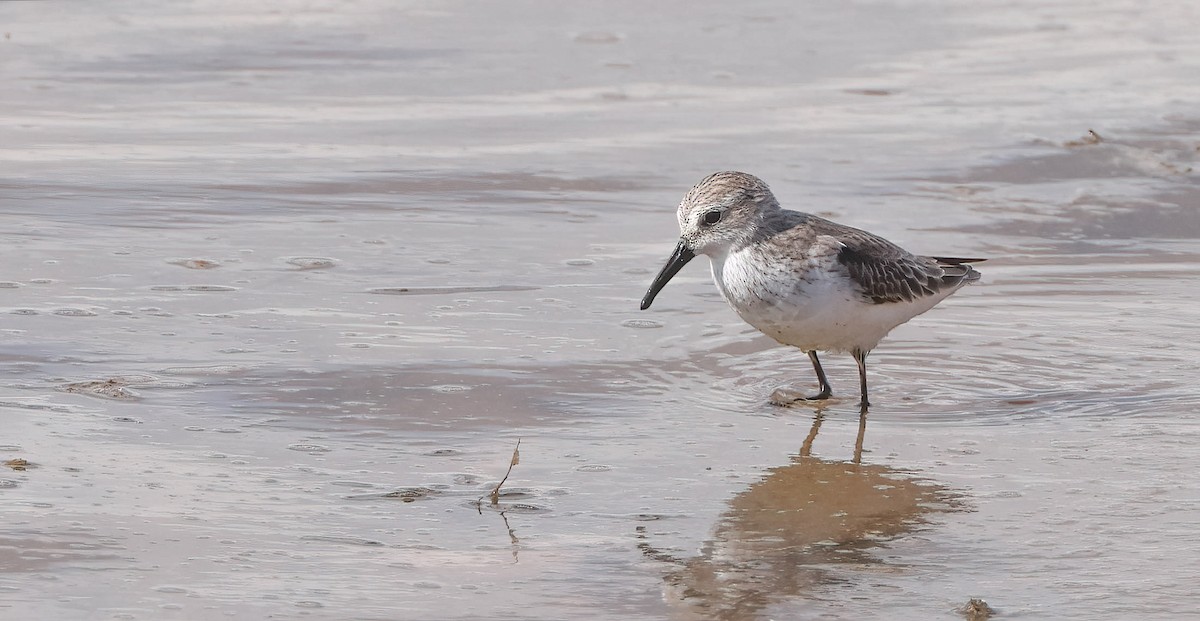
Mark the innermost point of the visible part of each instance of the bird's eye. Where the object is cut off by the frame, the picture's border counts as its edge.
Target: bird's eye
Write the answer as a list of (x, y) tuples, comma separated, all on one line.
[(712, 217)]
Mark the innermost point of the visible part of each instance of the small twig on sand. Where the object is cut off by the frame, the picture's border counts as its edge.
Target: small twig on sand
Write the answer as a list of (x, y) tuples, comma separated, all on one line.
[(495, 495)]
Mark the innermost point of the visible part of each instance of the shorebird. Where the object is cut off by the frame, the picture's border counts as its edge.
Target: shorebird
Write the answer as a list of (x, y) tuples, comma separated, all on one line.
[(803, 280)]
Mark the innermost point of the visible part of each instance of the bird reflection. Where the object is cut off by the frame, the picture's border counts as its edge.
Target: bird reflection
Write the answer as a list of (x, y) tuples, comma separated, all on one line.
[(780, 537)]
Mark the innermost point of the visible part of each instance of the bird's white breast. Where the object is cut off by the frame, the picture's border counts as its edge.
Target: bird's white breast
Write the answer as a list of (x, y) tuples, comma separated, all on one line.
[(808, 302)]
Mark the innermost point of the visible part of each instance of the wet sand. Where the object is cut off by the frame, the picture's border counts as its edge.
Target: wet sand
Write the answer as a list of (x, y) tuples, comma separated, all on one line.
[(283, 288)]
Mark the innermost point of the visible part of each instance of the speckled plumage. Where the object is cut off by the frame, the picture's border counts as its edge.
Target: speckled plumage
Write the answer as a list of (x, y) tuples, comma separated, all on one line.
[(803, 280)]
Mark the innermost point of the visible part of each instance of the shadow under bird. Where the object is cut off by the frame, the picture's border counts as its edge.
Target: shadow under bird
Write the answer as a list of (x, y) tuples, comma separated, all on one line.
[(803, 280)]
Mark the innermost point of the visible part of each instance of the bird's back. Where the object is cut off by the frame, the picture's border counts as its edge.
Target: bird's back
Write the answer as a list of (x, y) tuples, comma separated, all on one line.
[(889, 274), (816, 284)]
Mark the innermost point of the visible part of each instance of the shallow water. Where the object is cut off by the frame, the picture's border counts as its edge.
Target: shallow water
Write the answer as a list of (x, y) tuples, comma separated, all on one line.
[(283, 288)]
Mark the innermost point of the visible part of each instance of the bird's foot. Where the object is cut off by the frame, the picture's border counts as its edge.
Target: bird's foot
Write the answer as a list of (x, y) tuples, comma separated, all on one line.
[(787, 396)]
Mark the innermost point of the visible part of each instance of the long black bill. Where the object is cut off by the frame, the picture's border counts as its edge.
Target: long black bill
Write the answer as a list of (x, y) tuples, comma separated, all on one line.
[(678, 259)]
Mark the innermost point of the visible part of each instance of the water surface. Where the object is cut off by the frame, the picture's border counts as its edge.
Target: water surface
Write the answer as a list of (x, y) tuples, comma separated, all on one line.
[(282, 288)]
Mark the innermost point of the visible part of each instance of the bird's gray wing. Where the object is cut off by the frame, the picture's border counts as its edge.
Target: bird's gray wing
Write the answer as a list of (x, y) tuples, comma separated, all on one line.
[(887, 273)]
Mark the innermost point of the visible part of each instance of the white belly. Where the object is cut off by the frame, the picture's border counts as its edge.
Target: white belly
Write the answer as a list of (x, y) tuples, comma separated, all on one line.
[(810, 304)]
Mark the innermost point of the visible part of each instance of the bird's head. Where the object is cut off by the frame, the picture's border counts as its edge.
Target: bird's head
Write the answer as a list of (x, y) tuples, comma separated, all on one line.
[(721, 213)]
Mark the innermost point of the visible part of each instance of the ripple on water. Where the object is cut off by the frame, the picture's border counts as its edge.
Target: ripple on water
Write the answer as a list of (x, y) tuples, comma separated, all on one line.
[(310, 263), (447, 290), (520, 507), (354, 541), (73, 312), (199, 288), (405, 494), (450, 388), (642, 323), (214, 369), (306, 447), (595, 37), (195, 264), (346, 483)]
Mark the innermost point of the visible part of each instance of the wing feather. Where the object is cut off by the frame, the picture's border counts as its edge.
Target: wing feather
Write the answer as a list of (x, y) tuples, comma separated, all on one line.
[(887, 273)]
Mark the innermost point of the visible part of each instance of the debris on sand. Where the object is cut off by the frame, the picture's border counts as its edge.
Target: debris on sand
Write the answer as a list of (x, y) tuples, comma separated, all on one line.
[(1089, 138), (495, 495), (976, 610), (113, 388)]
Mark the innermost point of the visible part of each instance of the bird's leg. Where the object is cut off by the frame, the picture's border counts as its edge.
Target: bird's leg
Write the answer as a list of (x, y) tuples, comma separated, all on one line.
[(826, 391), (786, 396), (860, 357)]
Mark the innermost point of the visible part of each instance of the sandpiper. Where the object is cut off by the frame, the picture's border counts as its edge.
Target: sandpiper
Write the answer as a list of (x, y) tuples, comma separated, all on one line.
[(803, 280)]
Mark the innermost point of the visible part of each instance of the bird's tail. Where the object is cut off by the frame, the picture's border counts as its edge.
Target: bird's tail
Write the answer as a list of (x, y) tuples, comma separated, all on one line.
[(956, 261), (957, 267)]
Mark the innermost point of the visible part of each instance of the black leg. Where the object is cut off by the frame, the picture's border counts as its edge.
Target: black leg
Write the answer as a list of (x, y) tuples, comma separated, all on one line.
[(861, 358), (825, 389)]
